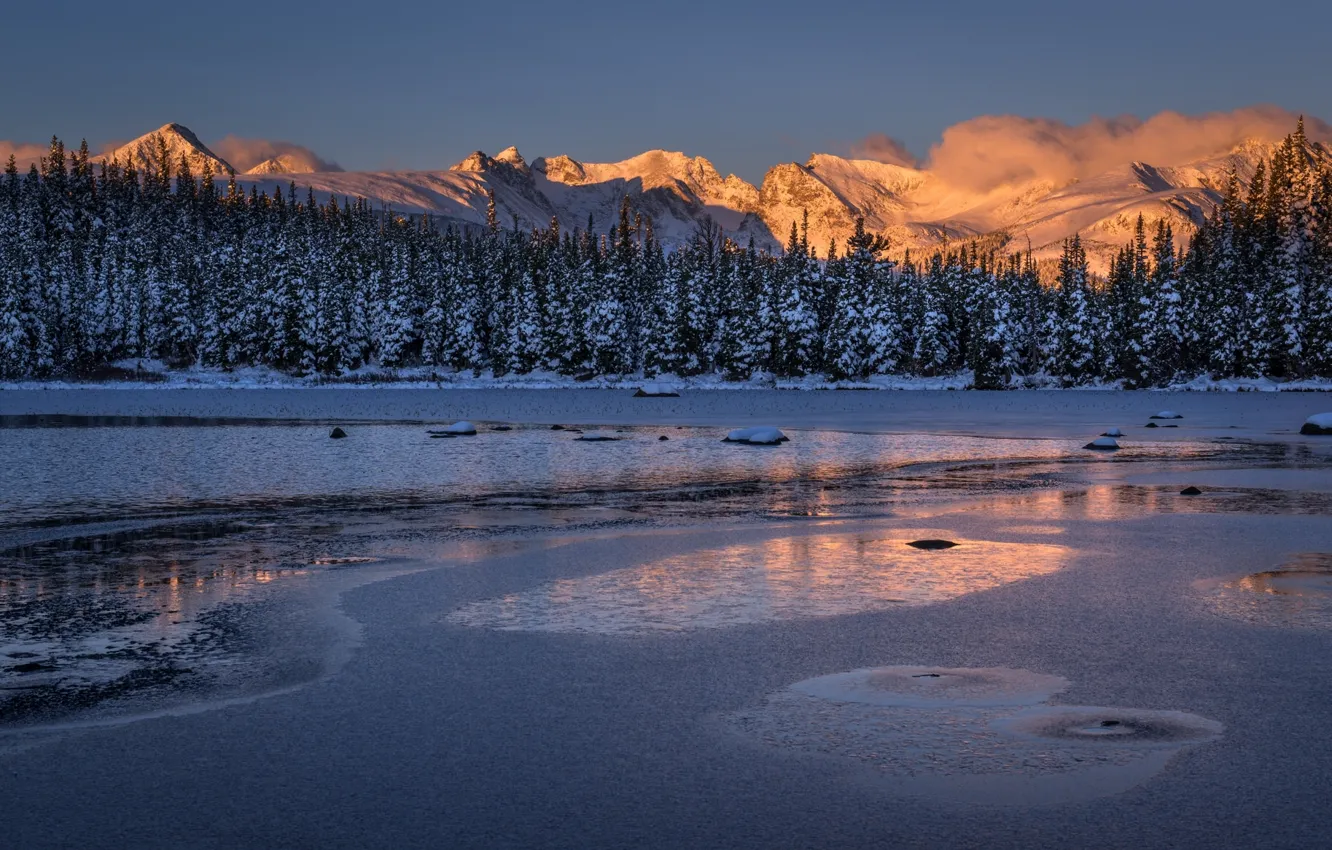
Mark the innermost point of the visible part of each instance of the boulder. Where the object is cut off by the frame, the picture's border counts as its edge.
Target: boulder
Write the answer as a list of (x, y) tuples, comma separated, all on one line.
[(1113, 432), (1166, 414), (763, 435), (461, 428), (337, 434), (1151, 425), (1318, 425), (1190, 491), (1103, 444), (663, 438), (502, 428), (596, 437), (932, 545), (656, 391)]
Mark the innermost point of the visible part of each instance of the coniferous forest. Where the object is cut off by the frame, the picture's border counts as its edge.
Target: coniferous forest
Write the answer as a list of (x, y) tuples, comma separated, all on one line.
[(102, 263)]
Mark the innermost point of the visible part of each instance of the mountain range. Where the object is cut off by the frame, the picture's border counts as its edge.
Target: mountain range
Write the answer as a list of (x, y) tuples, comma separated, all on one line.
[(915, 208)]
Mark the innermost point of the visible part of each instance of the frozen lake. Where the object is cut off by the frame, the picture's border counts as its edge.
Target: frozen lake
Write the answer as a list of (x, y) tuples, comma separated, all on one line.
[(521, 639)]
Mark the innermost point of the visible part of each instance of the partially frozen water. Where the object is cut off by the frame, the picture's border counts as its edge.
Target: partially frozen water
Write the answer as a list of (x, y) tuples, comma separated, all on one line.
[(1296, 595), (981, 736), (152, 562), (781, 578), (79, 474)]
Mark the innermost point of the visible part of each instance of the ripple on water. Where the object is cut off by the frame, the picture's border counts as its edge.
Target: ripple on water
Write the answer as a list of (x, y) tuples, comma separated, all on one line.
[(983, 737), (781, 578)]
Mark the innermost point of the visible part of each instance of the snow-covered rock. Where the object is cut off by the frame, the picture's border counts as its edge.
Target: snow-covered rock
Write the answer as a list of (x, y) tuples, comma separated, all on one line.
[(1114, 432), (1103, 444), (1166, 414), (461, 428), (596, 437), (657, 391), (1320, 424), (762, 435)]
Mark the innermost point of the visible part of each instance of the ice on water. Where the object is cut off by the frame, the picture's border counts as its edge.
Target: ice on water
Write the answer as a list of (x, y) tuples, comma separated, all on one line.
[(780, 578)]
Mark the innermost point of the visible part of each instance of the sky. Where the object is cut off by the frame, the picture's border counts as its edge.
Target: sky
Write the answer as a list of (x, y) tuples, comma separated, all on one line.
[(417, 85)]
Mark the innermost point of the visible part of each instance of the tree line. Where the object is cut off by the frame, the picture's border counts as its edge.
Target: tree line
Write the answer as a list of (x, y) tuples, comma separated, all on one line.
[(122, 261)]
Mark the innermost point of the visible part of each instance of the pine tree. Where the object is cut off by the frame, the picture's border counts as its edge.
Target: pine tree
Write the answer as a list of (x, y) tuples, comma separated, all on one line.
[(1075, 348)]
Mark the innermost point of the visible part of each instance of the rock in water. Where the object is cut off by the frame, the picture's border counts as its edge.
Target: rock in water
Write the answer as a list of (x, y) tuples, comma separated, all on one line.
[(1166, 414), (596, 437), (1113, 432), (1151, 425), (1103, 444), (656, 391), (337, 434), (502, 428), (461, 428), (663, 438), (1190, 491), (763, 435), (932, 545), (557, 427), (1318, 425)]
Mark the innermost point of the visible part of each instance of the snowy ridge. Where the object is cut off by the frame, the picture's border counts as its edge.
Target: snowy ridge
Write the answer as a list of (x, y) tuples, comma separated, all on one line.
[(914, 207)]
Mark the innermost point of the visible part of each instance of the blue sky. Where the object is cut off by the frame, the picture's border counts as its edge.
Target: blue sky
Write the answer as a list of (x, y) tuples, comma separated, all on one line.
[(747, 84)]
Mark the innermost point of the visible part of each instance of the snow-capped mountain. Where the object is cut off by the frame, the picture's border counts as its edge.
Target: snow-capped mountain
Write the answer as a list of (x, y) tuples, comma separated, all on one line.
[(292, 162), (915, 208), (180, 141)]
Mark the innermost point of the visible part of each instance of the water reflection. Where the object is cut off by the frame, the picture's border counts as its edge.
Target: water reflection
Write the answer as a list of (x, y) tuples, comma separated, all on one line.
[(82, 474), (125, 615), (780, 578), (1116, 502)]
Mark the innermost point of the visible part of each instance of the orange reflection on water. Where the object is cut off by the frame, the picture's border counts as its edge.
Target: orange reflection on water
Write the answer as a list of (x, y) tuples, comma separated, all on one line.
[(780, 578)]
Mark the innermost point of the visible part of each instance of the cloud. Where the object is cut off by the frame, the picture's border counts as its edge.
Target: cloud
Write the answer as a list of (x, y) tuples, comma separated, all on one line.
[(883, 148), (25, 153), (992, 150), (244, 154)]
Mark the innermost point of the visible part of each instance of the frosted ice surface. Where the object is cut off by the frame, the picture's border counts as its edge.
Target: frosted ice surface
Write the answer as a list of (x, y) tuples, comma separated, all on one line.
[(981, 737), (1297, 595), (934, 687)]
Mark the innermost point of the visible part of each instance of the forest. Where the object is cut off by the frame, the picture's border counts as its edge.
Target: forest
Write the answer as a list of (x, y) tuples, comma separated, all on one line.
[(102, 263)]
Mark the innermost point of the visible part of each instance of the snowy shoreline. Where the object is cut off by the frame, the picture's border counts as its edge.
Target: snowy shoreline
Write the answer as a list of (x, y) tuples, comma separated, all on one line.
[(1026, 415), (425, 378)]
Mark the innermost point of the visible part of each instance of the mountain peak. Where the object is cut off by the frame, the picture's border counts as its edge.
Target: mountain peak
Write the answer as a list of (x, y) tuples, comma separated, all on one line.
[(179, 141), (511, 156), (292, 162), (478, 162)]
